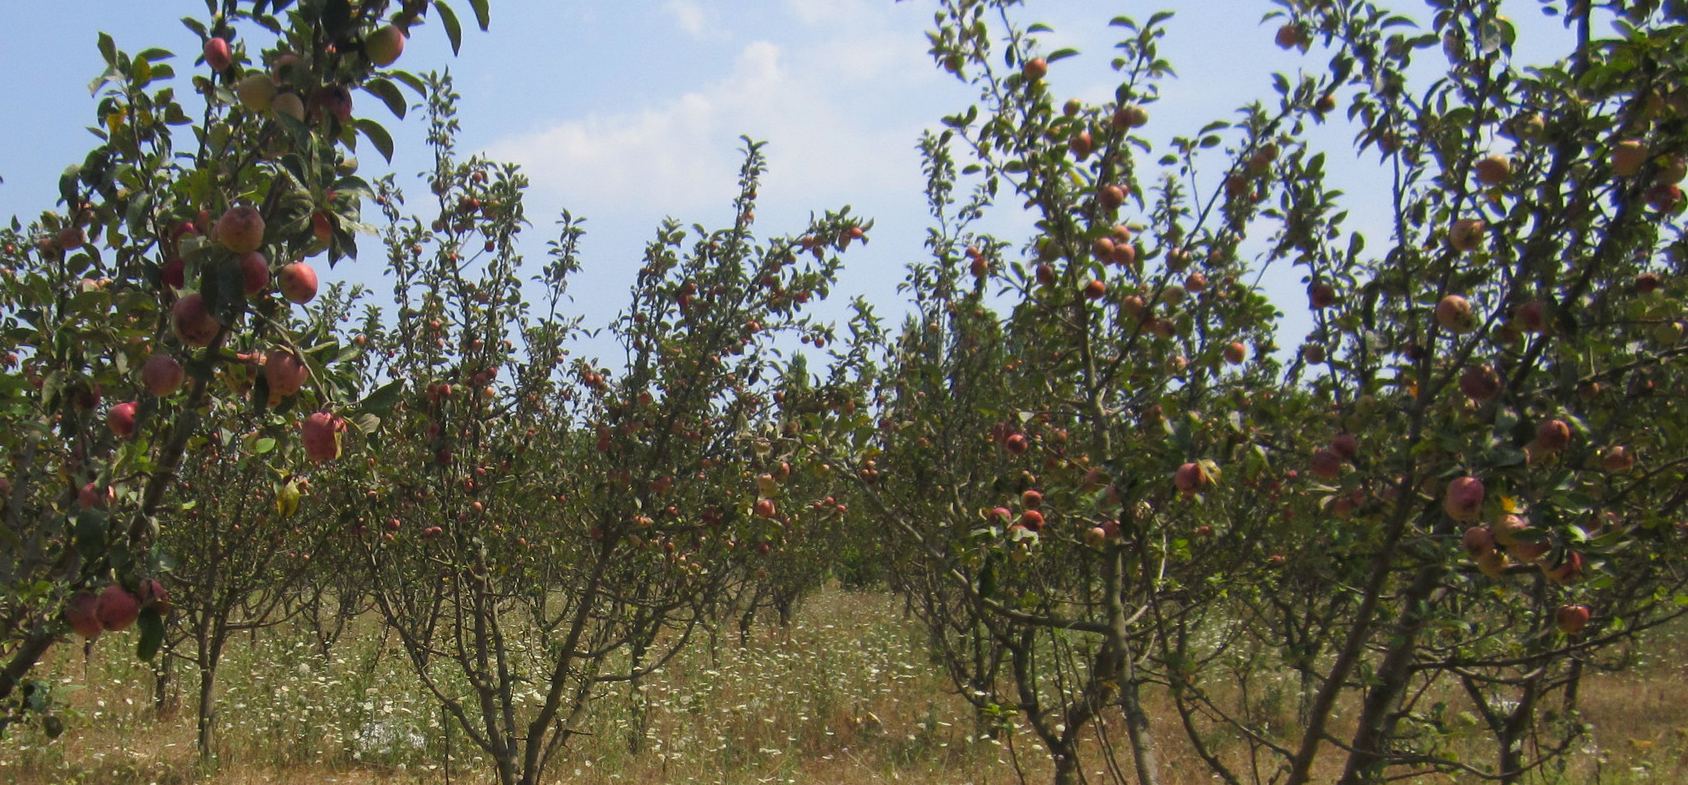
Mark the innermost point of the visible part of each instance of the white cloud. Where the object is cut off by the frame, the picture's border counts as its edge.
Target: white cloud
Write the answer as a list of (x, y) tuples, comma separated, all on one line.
[(835, 109), (689, 16), (817, 12)]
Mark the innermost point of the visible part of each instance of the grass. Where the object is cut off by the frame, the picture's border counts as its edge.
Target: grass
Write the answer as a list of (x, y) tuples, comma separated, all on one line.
[(845, 696)]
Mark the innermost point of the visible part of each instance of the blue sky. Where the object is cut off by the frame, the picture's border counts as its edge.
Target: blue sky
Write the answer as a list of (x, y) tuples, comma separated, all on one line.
[(626, 112)]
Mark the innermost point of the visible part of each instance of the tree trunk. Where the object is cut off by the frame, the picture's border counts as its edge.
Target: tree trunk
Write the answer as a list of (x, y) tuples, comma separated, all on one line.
[(1380, 715), (207, 705), (1066, 766), (162, 672)]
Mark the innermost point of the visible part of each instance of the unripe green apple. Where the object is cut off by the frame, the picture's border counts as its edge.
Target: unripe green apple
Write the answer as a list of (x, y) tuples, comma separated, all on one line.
[(384, 46), (289, 104), (256, 92)]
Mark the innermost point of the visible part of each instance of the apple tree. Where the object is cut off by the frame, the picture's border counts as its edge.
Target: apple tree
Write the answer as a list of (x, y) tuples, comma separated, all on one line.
[(1463, 486), (537, 527), (169, 256)]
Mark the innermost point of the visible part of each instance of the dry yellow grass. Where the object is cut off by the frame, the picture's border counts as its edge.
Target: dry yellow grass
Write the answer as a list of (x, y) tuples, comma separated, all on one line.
[(846, 697)]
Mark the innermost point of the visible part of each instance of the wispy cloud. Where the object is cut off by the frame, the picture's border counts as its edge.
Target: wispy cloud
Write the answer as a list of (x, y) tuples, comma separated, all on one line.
[(690, 17), (833, 105)]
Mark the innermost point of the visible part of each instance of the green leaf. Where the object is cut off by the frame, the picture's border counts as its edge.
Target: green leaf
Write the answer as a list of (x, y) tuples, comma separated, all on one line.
[(91, 533), (152, 633), (108, 48), (389, 95), (453, 28), (481, 16), (1061, 54), (409, 80), (382, 398), (378, 136), (366, 423)]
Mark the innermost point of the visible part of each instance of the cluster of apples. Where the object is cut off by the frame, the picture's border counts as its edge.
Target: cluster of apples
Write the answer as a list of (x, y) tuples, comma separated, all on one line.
[(115, 608), (1495, 546)]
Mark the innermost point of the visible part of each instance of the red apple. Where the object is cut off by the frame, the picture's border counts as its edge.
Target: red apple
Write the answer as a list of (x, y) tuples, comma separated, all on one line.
[(1321, 295), (1480, 383), (1288, 36), (1235, 352), (1095, 290), (121, 418), (1016, 443), (1477, 541), (71, 238), (1463, 499), (1572, 618), (1552, 435), (285, 372), (116, 608), (298, 283), (217, 54), (1346, 445), (1035, 69), (285, 67), (79, 611), (1628, 156), (162, 375), (764, 508), (321, 434), (1531, 316), (1326, 465), (241, 229), (1493, 170), (1617, 459), (1102, 248), (1528, 551), (1191, 479), (174, 274), (1665, 197), (1032, 519), (1130, 116), (1124, 255), (331, 100), (1507, 528), (256, 271), (193, 322), (1081, 144), (1453, 313), (152, 594), (1466, 234), (1031, 500), (90, 496), (1567, 571)]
